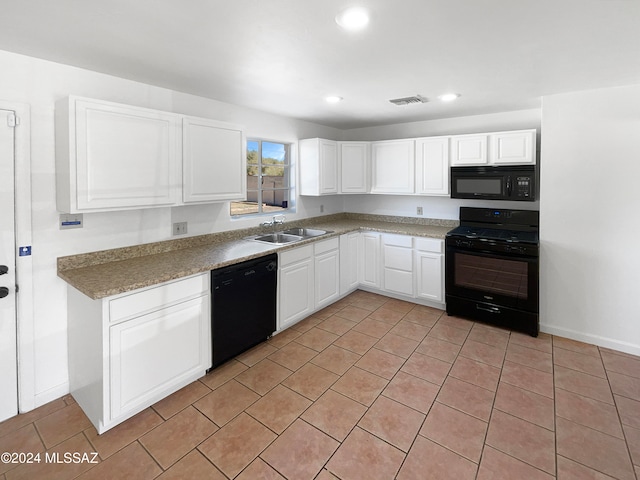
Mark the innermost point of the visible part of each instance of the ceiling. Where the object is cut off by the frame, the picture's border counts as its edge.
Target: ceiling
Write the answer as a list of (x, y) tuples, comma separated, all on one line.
[(284, 56)]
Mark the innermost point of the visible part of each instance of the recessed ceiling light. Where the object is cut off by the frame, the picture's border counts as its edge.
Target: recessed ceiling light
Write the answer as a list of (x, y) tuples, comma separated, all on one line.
[(353, 18), (448, 97), (333, 99)]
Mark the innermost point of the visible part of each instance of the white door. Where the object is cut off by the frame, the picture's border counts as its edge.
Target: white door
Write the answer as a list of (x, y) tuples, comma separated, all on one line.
[(432, 166), (8, 350), (354, 167), (296, 292), (469, 150), (327, 278), (214, 161), (393, 166)]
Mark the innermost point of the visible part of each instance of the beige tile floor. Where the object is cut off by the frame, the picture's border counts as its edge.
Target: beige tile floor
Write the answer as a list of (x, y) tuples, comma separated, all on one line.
[(369, 388)]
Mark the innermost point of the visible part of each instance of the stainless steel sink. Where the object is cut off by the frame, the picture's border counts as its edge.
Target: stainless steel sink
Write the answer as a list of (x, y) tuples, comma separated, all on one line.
[(305, 232), (278, 238)]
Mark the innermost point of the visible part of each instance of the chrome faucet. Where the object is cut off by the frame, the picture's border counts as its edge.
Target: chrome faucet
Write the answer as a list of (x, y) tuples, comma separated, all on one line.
[(276, 220)]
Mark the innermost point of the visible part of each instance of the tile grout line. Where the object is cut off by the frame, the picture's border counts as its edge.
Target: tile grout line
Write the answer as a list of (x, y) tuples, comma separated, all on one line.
[(615, 403), (495, 395)]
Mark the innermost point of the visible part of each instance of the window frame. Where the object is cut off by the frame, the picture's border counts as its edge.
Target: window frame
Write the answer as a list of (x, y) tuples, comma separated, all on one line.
[(287, 180)]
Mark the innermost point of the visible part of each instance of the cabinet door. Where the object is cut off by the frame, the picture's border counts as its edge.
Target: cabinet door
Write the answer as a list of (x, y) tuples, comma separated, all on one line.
[(392, 166), (295, 292), (369, 259), (354, 167), (513, 148), (327, 278), (126, 157), (397, 264), (429, 276), (432, 166), (152, 353), (469, 150), (328, 167), (349, 262), (318, 167), (214, 161)]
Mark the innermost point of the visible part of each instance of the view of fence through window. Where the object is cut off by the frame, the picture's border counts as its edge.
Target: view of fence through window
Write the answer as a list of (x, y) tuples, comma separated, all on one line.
[(267, 179)]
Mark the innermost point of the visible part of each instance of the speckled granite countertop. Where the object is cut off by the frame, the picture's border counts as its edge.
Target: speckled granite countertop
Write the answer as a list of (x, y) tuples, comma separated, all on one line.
[(110, 272)]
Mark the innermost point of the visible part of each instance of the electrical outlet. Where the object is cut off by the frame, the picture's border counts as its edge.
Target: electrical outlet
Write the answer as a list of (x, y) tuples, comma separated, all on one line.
[(419, 210), (321, 208), (180, 228)]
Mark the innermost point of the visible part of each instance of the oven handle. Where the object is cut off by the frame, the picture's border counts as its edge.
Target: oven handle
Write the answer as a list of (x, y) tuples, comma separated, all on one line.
[(469, 250), (488, 309)]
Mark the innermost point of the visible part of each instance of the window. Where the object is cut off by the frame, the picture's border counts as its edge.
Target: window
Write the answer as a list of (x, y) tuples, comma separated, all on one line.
[(267, 179)]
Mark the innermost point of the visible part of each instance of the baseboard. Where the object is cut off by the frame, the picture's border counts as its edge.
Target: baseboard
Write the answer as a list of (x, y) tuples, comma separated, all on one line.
[(51, 394), (406, 298), (606, 342)]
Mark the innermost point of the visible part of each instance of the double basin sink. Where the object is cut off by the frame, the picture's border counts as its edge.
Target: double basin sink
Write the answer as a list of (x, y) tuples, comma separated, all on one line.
[(289, 236)]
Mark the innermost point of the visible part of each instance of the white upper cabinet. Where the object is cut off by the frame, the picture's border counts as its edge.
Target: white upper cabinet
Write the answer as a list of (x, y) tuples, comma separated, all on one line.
[(469, 150), (496, 148), (318, 167), (513, 148), (214, 161), (115, 157), (111, 156), (354, 166), (392, 166), (432, 166)]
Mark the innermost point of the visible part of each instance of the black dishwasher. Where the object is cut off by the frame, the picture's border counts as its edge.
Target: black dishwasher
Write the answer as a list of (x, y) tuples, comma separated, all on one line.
[(243, 311)]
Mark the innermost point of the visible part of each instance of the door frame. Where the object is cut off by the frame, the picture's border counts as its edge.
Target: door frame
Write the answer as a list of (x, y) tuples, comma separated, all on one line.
[(24, 265)]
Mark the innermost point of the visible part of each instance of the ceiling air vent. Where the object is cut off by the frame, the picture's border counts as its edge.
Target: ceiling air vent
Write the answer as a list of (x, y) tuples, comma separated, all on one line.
[(409, 100)]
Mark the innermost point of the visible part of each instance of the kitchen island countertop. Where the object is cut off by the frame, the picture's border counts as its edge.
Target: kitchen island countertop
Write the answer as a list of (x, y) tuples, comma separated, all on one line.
[(111, 272)]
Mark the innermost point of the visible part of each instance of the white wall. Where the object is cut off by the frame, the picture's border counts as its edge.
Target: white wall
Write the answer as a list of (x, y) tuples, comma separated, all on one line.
[(39, 84), (590, 211), (436, 207)]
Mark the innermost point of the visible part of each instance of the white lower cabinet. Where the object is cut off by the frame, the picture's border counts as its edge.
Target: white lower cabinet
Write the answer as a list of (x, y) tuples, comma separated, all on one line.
[(308, 280), (314, 276), (429, 264), (295, 285), (397, 264), (349, 262), (327, 272), (403, 266), (129, 351), (369, 259), (148, 354)]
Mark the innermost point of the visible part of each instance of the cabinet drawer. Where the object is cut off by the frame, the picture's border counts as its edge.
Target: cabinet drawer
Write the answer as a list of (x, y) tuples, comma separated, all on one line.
[(397, 240), (146, 301), (434, 245), (326, 245), (399, 258), (295, 255)]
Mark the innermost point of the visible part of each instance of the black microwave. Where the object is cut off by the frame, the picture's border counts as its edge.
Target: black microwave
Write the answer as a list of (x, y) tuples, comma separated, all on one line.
[(517, 182)]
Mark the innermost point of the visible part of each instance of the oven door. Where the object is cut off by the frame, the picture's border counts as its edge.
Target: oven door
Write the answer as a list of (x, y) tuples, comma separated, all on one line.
[(504, 279)]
